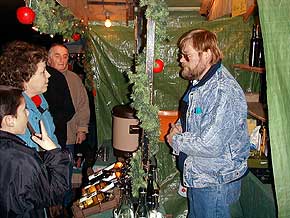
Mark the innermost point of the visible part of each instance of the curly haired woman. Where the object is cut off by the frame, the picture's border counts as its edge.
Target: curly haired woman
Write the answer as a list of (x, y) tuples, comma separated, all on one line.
[(23, 65)]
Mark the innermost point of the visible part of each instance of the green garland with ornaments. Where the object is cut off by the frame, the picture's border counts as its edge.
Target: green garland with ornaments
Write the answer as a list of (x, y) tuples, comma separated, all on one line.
[(51, 18), (146, 111)]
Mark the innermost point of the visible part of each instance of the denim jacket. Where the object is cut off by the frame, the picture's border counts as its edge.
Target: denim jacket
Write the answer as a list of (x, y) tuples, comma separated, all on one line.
[(34, 117), (215, 140)]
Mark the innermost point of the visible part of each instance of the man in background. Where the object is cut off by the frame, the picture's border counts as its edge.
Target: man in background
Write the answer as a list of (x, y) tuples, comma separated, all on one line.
[(77, 127), (60, 103)]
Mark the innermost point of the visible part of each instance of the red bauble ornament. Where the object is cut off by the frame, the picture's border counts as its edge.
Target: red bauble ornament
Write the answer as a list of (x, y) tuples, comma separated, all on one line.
[(76, 36), (25, 15), (159, 65)]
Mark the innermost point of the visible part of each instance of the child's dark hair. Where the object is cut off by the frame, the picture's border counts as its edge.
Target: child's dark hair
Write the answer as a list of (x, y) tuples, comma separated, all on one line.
[(10, 99)]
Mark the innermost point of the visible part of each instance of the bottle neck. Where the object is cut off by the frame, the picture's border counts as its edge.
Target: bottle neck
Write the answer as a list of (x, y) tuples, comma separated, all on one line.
[(254, 31)]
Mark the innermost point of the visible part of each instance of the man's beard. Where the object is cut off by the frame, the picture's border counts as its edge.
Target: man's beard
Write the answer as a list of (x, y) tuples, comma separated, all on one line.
[(189, 73)]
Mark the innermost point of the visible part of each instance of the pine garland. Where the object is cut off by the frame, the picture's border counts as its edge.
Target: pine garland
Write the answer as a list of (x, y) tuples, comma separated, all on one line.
[(146, 111), (52, 18)]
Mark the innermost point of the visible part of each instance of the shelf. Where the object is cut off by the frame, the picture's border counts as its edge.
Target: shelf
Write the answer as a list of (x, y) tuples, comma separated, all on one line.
[(246, 67), (256, 110), (260, 163), (257, 160)]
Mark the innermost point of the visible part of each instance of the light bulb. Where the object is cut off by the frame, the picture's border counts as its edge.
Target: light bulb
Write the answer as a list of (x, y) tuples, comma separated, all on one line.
[(108, 23)]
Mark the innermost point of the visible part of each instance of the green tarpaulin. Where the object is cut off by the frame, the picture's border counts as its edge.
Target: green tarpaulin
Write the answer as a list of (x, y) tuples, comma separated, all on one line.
[(275, 23), (112, 51)]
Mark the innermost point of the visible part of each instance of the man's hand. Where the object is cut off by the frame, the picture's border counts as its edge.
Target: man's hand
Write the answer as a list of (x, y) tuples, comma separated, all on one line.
[(175, 129), (81, 136)]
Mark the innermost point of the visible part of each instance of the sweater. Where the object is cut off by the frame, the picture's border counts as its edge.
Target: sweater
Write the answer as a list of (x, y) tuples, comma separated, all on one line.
[(81, 118)]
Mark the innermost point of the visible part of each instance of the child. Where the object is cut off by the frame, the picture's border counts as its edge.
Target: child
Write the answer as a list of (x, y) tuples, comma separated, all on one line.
[(28, 183)]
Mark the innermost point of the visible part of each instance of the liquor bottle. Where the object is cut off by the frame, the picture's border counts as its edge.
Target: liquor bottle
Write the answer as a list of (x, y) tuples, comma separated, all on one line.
[(95, 197), (89, 189), (260, 60), (142, 211), (78, 160), (111, 168), (155, 211), (152, 185), (253, 47), (126, 208), (263, 144), (114, 177), (107, 174)]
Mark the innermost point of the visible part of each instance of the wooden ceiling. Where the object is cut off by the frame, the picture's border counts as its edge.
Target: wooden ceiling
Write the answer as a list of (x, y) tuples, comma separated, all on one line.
[(123, 10), (119, 10), (96, 10)]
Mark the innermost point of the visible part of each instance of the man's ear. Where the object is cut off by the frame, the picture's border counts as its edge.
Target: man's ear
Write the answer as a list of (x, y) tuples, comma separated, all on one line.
[(8, 121), (48, 63), (208, 55)]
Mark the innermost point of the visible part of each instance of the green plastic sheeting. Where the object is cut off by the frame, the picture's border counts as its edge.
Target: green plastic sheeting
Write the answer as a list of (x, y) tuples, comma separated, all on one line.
[(112, 51), (275, 23)]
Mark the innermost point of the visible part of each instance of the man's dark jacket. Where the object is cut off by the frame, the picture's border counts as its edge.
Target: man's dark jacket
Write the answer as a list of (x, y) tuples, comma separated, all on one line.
[(29, 184), (60, 103)]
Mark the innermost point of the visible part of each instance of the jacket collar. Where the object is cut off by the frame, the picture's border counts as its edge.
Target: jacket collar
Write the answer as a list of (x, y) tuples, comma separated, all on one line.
[(30, 104), (198, 83), (8, 135), (208, 75), (18, 143)]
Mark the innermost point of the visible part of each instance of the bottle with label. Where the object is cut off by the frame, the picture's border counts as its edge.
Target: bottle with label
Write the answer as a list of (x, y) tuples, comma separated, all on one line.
[(91, 188), (95, 197), (78, 160), (105, 175), (114, 178), (263, 145), (126, 208), (155, 211), (107, 171), (152, 185), (142, 211)]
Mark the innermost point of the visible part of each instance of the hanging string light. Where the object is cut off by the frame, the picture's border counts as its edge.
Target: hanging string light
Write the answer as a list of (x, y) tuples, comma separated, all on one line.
[(108, 22)]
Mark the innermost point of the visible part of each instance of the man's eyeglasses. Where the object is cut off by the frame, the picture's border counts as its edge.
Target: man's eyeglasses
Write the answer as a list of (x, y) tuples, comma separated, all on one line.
[(185, 56)]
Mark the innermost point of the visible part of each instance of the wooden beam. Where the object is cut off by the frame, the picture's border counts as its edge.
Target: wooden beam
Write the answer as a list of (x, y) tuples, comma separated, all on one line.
[(205, 7), (91, 2)]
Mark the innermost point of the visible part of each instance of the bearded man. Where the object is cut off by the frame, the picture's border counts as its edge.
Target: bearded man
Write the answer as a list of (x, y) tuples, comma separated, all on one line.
[(211, 137)]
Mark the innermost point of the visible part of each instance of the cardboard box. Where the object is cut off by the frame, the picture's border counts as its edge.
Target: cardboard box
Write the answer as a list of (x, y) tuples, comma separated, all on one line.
[(114, 203), (252, 96)]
